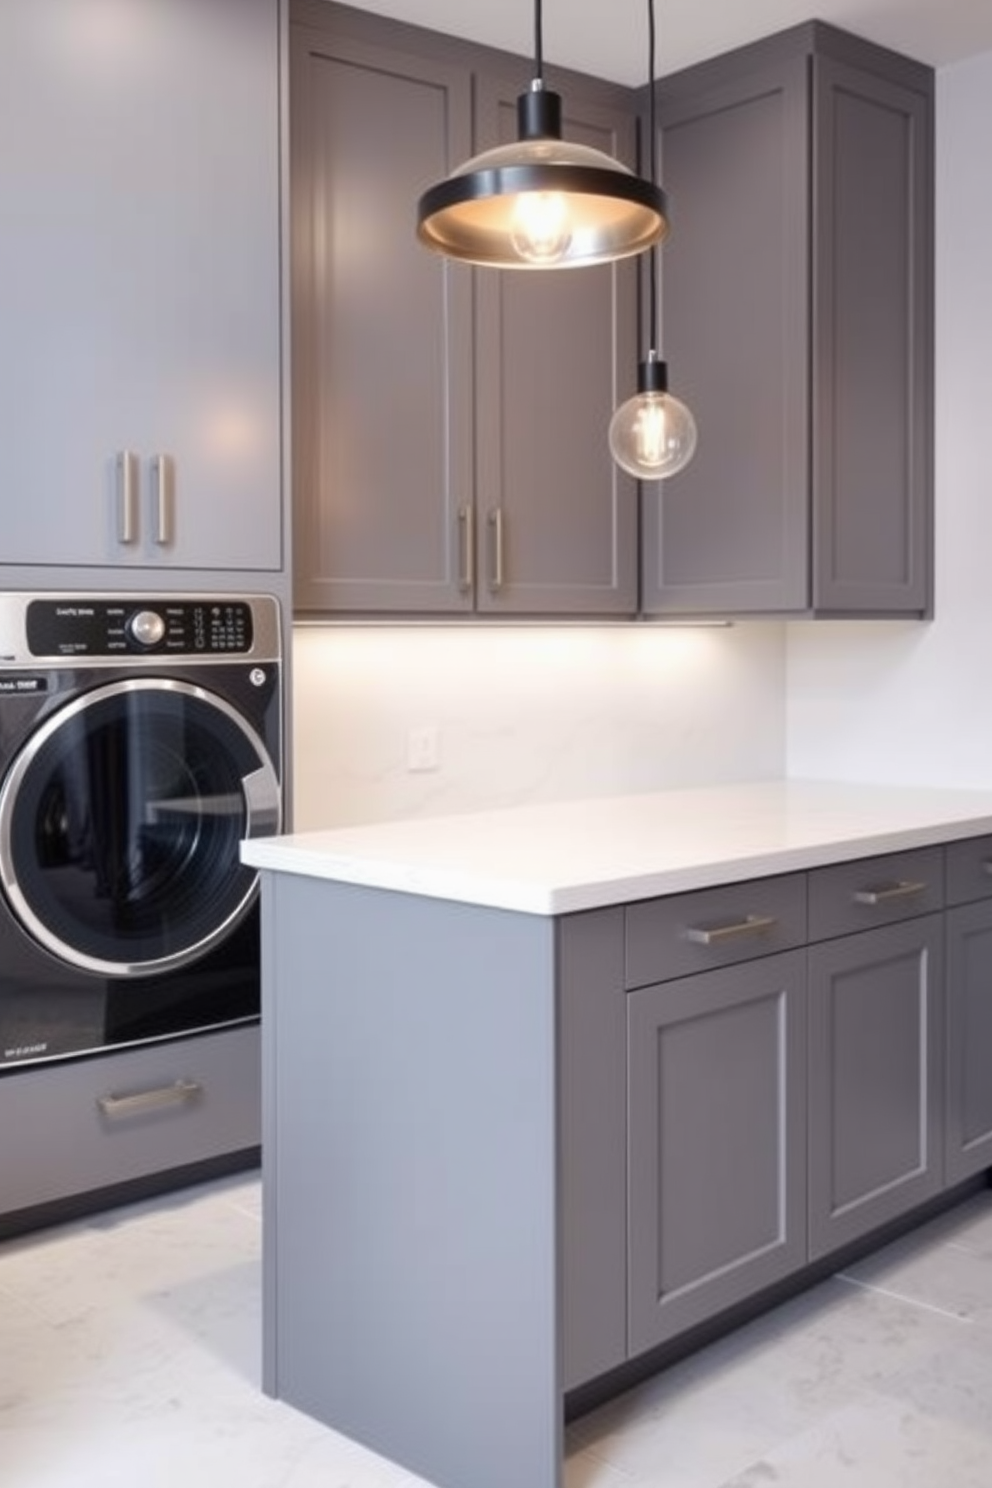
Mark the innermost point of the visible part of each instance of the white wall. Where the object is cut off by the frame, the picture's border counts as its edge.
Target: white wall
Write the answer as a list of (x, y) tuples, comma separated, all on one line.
[(528, 714), (911, 702)]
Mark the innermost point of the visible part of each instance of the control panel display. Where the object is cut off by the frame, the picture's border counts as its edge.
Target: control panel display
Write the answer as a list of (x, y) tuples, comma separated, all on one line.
[(139, 627)]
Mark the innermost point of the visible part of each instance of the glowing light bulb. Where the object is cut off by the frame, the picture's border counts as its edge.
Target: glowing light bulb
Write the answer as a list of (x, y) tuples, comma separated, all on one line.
[(653, 435), (540, 227), (650, 431)]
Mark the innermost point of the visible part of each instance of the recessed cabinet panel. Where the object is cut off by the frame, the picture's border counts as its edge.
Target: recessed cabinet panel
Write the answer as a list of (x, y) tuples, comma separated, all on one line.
[(875, 1078), (717, 1163), (555, 354), (731, 530), (140, 283), (382, 372), (872, 380), (969, 1041)]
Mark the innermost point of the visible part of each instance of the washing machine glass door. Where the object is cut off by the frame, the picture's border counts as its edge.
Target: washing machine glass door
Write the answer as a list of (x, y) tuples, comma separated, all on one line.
[(121, 822)]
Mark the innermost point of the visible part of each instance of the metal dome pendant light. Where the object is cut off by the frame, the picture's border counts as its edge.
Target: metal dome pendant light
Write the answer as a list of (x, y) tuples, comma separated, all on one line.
[(652, 435), (541, 202)]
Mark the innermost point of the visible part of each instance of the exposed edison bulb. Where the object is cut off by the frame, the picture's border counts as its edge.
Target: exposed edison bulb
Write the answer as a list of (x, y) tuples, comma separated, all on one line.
[(540, 226), (653, 434)]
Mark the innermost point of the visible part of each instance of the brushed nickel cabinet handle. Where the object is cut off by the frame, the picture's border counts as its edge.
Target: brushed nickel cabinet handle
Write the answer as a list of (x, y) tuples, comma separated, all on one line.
[(466, 549), (883, 893), (127, 496), (162, 477), (496, 529), (714, 934), (178, 1094)]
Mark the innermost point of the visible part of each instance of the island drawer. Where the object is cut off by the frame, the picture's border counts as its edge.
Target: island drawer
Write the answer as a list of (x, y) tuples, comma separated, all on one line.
[(858, 895), (685, 933), (969, 870)]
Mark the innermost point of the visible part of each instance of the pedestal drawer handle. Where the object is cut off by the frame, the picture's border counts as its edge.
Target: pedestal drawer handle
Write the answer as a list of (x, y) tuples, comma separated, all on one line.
[(882, 893), (713, 934), (987, 866), (177, 1094)]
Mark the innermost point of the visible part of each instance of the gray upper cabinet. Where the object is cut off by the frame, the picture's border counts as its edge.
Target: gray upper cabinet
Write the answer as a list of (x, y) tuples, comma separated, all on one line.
[(797, 322), (450, 424), (558, 518), (140, 284)]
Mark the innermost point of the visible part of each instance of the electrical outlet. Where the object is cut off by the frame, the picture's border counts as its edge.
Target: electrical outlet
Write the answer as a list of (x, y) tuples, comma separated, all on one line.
[(423, 747)]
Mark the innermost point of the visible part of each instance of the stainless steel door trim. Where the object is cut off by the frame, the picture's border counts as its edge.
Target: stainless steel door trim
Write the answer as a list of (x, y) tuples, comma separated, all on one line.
[(262, 807)]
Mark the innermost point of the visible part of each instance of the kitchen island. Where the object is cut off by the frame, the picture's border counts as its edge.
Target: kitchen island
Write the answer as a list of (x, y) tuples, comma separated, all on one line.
[(544, 1089)]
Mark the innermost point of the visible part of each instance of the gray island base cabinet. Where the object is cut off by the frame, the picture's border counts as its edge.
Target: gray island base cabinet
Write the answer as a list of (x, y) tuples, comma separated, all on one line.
[(511, 1156)]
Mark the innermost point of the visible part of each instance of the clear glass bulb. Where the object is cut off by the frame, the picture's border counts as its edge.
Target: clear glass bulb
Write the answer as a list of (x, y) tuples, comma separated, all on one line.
[(541, 227), (652, 436)]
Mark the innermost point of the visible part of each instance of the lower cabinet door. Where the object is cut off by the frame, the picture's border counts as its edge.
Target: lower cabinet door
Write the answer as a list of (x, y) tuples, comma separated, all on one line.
[(968, 1136), (74, 1128), (875, 1078), (717, 1141)]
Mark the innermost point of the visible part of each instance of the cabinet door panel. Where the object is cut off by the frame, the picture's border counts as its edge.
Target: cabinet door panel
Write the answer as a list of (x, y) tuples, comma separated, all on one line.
[(382, 360), (968, 1146), (876, 1078), (730, 531), (139, 278), (554, 351), (872, 342), (717, 1141)]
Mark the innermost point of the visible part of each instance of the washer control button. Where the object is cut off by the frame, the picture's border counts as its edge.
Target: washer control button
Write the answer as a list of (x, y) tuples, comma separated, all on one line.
[(146, 627)]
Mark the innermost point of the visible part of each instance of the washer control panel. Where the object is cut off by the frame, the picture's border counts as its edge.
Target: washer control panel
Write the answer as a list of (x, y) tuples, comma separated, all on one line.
[(139, 626)]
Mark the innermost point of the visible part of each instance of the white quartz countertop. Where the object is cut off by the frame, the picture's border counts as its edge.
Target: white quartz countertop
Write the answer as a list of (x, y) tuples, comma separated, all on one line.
[(561, 857)]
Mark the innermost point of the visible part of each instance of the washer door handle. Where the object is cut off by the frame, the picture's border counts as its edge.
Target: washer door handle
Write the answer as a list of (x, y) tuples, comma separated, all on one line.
[(262, 804)]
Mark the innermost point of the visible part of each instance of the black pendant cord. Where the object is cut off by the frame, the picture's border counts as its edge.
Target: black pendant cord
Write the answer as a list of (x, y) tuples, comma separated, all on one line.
[(538, 42), (653, 162)]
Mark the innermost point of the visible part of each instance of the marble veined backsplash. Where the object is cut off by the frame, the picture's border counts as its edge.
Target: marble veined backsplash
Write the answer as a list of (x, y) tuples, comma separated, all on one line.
[(524, 714)]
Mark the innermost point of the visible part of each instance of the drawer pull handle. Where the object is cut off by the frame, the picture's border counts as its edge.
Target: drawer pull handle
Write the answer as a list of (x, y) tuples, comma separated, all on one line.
[(987, 866), (714, 934), (178, 1094), (882, 893)]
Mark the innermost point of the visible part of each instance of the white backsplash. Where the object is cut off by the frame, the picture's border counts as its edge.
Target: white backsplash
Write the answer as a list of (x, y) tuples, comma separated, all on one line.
[(527, 714)]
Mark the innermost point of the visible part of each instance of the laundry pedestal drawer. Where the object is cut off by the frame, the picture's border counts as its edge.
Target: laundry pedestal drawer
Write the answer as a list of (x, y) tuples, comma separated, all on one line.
[(77, 1127)]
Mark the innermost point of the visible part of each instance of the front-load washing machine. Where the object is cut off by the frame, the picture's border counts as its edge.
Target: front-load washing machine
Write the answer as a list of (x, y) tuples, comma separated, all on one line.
[(140, 742)]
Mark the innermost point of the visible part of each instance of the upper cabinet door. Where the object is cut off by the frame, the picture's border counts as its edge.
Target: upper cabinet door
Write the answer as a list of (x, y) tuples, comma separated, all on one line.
[(873, 342), (556, 353), (731, 531), (382, 330), (797, 322), (140, 283)]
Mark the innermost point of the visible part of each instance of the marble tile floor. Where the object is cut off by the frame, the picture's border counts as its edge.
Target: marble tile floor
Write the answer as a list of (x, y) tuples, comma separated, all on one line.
[(129, 1358)]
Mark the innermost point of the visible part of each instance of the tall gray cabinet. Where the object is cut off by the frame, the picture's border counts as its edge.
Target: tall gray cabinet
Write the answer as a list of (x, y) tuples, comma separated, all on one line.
[(450, 450), (140, 284), (797, 322)]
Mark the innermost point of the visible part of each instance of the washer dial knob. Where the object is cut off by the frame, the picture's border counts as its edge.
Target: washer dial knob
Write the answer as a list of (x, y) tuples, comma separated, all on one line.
[(146, 627)]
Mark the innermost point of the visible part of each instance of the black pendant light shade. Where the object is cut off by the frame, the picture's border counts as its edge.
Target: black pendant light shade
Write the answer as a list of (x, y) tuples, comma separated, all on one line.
[(541, 202)]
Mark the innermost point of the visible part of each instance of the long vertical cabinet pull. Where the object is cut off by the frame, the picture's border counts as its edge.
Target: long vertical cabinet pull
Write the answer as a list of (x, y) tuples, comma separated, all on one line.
[(127, 496), (496, 550), (162, 483), (466, 550)]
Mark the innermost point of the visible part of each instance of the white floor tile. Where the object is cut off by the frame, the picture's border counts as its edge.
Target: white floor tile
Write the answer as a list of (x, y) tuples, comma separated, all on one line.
[(130, 1358)]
